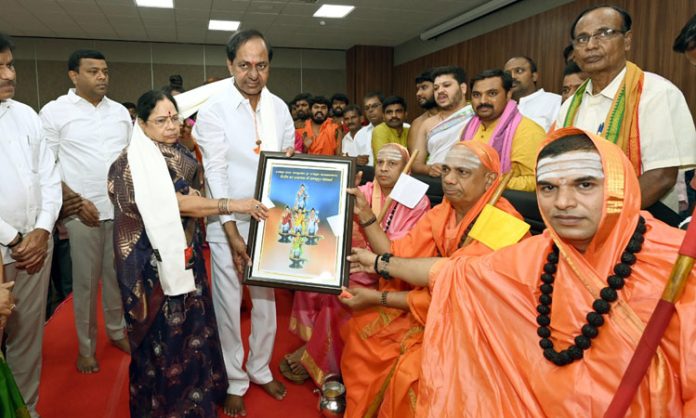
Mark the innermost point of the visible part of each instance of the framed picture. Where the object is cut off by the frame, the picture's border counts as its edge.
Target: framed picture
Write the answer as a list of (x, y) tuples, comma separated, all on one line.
[(305, 240)]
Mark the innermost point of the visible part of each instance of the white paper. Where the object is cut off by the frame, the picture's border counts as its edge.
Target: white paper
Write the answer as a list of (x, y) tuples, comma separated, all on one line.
[(408, 191), (336, 224)]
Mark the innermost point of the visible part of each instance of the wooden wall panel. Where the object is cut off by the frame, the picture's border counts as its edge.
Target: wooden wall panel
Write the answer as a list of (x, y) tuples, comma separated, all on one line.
[(543, 37), (368, 68)]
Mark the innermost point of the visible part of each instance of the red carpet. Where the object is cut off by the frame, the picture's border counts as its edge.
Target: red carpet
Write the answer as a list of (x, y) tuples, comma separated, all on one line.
[(66, 393)]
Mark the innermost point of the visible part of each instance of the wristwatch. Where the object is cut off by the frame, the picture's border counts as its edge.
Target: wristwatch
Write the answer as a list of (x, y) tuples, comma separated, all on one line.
[(16, 241), (384, 273)]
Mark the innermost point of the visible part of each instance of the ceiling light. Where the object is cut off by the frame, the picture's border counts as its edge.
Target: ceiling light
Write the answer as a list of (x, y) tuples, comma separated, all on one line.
[(333, 11), (165, 4), (224, 25)]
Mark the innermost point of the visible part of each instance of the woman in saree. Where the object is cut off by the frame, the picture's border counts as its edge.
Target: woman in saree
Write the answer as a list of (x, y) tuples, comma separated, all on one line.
[(11, 402), (176, 365)]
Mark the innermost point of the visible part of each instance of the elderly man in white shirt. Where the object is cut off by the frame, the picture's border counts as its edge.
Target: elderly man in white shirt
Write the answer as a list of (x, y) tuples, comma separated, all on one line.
[(29, 206), (666, 137), (232, 128), (87, 131), (372, 106), (351, 144), (538, 105)]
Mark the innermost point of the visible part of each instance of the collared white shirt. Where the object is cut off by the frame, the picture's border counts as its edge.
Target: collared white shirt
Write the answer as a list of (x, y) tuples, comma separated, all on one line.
[(30, 193), (542, 107), (358, 145), (667, 133), (364, 138), (225, 132), (86, 139)]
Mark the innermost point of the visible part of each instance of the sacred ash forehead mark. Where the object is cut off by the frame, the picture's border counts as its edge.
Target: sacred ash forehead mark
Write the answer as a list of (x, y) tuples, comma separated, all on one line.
[(389, 153), (574, 164), (461, 156)]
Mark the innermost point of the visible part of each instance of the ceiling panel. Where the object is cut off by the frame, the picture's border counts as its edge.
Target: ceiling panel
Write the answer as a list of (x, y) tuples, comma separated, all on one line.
[(299, 9), (288, 23), (123, 2), (42, 5), (231, 5), (76, 6), (193, 4), (119, 10), (201, 14)]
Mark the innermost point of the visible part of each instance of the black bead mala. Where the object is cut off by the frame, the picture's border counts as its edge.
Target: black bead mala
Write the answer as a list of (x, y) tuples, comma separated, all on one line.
[(601, 306), (390, 217)]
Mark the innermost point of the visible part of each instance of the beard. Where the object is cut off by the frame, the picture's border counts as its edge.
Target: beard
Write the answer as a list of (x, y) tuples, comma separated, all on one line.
[(338, 112), (429, 104), (456, 100), (302, 115), (318, 118)]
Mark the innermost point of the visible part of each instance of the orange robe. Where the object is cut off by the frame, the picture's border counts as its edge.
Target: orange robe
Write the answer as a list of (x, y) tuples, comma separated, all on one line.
[(481, 353), (381, 357), (326, 142)]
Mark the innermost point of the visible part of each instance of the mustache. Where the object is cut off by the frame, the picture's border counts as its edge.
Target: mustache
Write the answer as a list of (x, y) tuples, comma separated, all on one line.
[(484, 106), (12, 83)]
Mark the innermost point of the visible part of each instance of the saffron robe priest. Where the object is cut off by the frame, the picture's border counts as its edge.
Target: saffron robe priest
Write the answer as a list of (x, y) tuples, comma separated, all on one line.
[(381, 359), (489, 318)]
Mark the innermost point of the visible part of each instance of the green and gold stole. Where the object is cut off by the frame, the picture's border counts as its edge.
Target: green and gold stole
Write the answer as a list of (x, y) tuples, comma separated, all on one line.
[(621, 125)]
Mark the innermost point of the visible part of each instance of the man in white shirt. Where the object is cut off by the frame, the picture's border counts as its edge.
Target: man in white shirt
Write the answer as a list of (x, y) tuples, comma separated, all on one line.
[(372, 106), (86, 132), (538, 105), (232, 128), (29, 205), (654, 126), (350, 146)]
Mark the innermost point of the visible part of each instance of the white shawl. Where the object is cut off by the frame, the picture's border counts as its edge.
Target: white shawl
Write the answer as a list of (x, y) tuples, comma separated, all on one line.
[(154, 192)]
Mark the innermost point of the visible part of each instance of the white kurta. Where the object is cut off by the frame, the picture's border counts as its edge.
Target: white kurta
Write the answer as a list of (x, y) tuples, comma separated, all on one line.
[(225, 132), (541, 106)]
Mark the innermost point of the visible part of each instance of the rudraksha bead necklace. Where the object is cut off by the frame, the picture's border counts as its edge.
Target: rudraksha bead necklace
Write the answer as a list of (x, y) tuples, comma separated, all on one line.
[(601, 306)]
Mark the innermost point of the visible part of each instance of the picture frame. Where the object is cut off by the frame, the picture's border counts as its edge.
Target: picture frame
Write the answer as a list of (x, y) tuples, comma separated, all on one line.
[(305, 240)]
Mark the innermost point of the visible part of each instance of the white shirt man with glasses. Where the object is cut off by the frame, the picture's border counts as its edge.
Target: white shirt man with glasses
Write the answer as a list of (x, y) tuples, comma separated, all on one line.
[(643, 113)]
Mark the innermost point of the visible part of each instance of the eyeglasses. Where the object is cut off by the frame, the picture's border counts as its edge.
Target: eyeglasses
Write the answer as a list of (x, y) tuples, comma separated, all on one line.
[(162, 121), (373, 106), (600, 36)]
